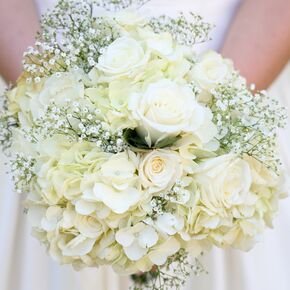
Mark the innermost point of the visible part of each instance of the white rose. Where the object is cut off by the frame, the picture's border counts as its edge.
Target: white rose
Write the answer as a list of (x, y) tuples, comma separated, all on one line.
[(160, 43), (225, 182), (168, 109), (269, 187), (122, 57), (159, 170), (128, 17), (210, 70), (58, 88)]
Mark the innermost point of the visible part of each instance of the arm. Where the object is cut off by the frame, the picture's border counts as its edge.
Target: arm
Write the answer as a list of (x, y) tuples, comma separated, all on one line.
[(259, 40), (18, 25)]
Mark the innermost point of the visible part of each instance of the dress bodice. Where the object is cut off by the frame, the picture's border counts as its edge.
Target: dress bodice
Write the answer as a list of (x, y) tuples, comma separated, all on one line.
[(217, 12)]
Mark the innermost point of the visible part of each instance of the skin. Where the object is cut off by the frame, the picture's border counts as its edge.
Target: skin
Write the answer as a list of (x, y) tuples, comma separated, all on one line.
[(18, 26), (258, 40)]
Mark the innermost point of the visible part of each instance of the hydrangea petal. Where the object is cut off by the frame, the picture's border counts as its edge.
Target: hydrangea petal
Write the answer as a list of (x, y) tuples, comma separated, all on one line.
[(124, 237), (84, 207), (165, 250), (79, 246), (148, 237), (118, 201), (135, 252)]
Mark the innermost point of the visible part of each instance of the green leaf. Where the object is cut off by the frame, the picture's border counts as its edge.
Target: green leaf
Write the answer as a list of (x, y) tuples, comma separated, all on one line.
[(139, 144)]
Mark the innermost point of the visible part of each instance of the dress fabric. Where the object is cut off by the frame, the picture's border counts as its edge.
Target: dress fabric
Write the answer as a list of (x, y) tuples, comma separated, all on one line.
[(25, 266)]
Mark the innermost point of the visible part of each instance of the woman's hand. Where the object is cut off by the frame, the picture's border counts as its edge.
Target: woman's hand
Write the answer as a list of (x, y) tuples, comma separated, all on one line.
[(18, 25), (259, 40)]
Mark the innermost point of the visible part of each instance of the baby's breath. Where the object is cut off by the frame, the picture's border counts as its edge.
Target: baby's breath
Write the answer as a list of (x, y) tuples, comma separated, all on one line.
[(8, 121), (186, 29), (164, 202), (114, 5), (77, 123), (247, 122), (22, 171), (71, 37), (172, 275)]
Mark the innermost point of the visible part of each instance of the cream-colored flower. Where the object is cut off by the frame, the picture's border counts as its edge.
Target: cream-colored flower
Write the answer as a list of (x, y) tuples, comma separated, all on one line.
[(130, 18), (50, 221), (36, 213), (115, 184), (210, 70), (225, 182), (158, 255), (77, 246), (107, 249), (123, 57), (166, 109), (170, 223), (119, 171), (161, 44), (60, 176), (137, 240), (160, 169), (89, 226), (269, 188), (59, 88), (119, 201), (239, 197)]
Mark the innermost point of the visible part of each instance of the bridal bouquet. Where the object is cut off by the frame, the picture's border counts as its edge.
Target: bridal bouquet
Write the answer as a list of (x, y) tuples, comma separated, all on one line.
[(133, 150)]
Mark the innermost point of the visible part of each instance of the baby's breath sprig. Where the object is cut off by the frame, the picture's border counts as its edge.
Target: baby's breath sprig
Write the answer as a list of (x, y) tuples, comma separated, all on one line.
[(77, 123), (115, 5), (7, 123), (22, 172), (159, 206), (177, 194), (71, 37), (247, 122), (172, 275), (187, 29), (164, 202)]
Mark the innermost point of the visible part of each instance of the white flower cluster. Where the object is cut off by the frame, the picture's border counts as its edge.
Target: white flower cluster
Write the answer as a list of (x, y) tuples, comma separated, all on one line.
[(144, 154), (76, 123), (176, 269), (247, 123), (184, 31), (22, 168), (115, 5), (72, 36), (7, 121)]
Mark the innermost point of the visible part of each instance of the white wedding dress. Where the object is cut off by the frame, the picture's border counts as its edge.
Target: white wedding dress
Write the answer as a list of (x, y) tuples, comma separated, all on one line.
[(25, 266)]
